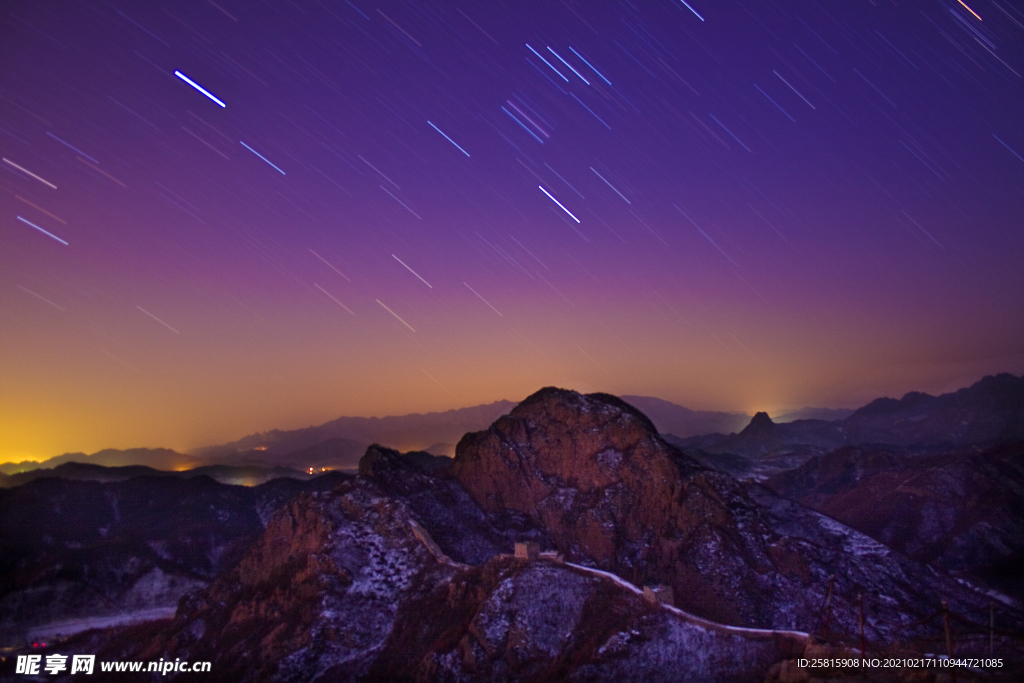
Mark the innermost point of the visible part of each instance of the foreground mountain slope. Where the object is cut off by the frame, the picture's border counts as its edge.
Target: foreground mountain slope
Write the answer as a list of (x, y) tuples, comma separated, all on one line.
[(316, 597), (347, 585), (961, 511)]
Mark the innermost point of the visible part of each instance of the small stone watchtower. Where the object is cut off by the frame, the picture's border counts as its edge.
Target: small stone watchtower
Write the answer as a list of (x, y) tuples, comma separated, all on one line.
[(527, 550), (659, 594)]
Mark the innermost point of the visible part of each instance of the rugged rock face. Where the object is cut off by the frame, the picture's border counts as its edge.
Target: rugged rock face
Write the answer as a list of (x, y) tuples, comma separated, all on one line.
[(590, 469), (593, 472), (960, 511), (316, 597), (444, 508)]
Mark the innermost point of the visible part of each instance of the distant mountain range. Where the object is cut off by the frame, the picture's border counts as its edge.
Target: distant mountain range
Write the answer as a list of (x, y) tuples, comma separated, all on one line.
[(158, 458), (406, 432), (989, 410), (340, 443)]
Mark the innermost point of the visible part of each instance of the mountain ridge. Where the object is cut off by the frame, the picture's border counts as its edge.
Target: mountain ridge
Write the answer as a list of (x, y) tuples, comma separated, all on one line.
[(990, 410)]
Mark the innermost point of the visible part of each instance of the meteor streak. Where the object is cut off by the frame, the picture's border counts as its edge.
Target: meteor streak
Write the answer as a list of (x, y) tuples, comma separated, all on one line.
[(199, 88), (539, 187)]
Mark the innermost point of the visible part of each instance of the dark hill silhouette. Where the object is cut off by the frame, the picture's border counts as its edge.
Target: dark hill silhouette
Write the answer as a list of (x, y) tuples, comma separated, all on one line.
[(225, 474), (157, 458)]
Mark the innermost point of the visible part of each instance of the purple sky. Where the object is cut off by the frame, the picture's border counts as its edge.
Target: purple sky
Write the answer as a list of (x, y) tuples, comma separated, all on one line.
[(413, 206)]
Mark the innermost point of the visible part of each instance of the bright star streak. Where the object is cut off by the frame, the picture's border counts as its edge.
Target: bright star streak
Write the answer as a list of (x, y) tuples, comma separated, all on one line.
[(548, 63), (448, 138), (484, 300), (396, 315), (332, 298), (39, 296), (48, 234), (591, 66), (157, 319), (691, 9), (25, 170), (591, 111), (412, 271), (730, 132), (558, 202), (775, 103), (568, 65), (198, 87), (523, 125), (923, 230), (610, 185), (970, 10), (1008, 147), (329, 265), (708, 238), (794, 89), (401, 202), (263, 157), (71, 147)]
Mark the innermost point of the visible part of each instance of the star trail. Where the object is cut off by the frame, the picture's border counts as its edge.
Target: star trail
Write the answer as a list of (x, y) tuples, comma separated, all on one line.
[(223, 218)]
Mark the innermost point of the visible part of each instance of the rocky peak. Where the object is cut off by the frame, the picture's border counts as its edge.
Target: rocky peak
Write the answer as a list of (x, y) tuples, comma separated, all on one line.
[(316, 596), (759, 423), (551, 399), (561, 448), (594, 473)]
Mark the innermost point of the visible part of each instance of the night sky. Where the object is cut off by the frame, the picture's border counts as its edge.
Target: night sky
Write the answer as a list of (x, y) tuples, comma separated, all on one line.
[(383, 207)]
